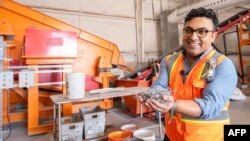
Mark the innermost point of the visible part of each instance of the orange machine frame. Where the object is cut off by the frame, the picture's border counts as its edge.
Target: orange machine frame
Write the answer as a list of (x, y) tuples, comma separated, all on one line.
[(244, 41), (98, 52)]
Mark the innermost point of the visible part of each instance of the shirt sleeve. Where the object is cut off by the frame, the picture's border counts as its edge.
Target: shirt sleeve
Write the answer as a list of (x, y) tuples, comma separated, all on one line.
[(218, 92), (162, 80)]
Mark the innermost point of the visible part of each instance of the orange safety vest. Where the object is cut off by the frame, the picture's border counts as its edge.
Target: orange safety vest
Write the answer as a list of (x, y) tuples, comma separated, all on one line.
[(183, 127)]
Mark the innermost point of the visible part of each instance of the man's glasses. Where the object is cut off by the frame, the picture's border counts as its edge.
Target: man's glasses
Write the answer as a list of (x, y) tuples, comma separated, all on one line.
[(200, 32)]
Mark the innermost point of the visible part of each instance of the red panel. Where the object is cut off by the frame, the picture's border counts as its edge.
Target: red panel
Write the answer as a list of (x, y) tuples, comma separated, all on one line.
[(90, 83), (50, 77), (50, 43)]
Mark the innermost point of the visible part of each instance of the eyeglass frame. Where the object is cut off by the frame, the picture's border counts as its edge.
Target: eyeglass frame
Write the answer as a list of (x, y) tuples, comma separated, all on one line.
[(196, 31)]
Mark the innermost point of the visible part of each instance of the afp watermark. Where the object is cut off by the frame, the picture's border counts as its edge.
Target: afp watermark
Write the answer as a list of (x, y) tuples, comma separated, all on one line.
[(236, 132)]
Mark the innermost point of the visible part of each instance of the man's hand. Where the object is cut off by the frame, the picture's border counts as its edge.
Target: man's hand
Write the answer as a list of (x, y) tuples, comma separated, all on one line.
[(156, 106)]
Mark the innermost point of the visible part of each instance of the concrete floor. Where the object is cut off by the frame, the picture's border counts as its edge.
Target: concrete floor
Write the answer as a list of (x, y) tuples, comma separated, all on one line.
[(239, 113)]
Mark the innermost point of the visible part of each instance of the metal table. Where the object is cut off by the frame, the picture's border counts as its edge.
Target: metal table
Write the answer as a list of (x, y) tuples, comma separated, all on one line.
[(58, 100)]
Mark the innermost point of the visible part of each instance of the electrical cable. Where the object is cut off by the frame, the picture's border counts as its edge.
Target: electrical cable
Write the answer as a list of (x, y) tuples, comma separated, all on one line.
[(8, 117)]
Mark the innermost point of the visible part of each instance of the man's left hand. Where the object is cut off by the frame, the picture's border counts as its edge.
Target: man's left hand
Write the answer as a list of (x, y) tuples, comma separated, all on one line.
[(155, 105)]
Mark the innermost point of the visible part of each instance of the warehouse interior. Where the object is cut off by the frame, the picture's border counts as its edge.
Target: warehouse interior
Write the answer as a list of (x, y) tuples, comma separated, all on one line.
[(112, 48)]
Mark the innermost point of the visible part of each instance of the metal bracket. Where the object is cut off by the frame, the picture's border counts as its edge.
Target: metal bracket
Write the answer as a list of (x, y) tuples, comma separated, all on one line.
[(6, 79), (26, 78)]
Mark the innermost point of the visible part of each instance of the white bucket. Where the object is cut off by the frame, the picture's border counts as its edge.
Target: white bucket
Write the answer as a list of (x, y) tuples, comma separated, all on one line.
[(146, 135), (130, 127), (75, 83)]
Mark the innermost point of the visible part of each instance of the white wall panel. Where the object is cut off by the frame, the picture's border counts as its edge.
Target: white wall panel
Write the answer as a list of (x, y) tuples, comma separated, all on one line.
[(169, 5), (118, 31), (157, 8), (73, 5), (124, 8), (152, 38), (152, 9), (130, 59), (67, 18), (148, 10)]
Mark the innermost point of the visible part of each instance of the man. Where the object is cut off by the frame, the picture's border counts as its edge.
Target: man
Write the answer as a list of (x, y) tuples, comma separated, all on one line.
[(201, 81)]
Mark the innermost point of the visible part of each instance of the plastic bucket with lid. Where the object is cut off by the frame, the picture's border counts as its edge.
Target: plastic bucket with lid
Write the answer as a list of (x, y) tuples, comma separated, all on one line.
[(119, 136), (75, 83)]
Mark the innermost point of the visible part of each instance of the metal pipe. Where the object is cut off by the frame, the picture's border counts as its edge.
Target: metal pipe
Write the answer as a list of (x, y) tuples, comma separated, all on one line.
[(240, 55), (179, 13), (160, 126), (59, 123)]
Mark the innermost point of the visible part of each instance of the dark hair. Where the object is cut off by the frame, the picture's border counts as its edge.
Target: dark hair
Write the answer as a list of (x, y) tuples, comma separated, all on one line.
[(202, 12)]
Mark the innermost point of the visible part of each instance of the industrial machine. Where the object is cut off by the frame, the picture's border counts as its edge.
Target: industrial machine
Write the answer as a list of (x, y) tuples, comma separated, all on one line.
[(22, 30)]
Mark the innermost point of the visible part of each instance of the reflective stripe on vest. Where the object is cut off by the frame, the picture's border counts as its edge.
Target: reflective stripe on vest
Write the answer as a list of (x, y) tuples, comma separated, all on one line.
[(222, 117), (171, 61)]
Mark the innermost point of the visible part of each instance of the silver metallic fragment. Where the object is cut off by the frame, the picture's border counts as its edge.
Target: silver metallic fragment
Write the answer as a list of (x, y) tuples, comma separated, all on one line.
[(156, 94)]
